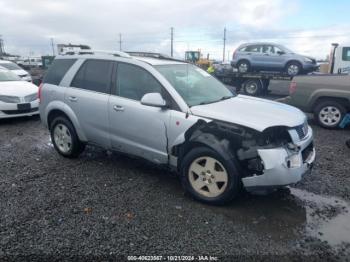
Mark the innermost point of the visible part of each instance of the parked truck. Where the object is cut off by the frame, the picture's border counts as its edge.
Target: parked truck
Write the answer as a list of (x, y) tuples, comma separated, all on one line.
[(327, 96)]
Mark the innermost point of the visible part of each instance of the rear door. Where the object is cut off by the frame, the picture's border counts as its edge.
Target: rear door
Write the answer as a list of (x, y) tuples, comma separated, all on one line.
[(88, 97), (135, 128), (253, 52)]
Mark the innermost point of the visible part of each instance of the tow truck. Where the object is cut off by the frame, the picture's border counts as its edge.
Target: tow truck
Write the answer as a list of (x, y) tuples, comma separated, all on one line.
[(253, 84)]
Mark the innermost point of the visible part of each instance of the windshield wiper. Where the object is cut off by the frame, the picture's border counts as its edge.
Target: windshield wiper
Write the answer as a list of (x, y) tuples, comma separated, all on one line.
[(225, 98), (210, 102)]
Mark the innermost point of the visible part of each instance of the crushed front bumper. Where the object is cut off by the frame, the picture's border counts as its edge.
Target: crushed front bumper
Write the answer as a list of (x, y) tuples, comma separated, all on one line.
[(282, 166)]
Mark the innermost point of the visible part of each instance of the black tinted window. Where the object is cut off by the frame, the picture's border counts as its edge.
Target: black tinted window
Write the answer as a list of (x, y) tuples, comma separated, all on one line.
[(133, 82), (57, 71), (346, 53), (94, 75)]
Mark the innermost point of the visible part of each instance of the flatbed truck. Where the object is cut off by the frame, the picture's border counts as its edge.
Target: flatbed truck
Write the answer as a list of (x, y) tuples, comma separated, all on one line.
[(252, 83)]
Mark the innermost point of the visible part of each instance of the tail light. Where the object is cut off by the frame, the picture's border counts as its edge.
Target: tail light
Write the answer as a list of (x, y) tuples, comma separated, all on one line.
[(292, 88), (234, 54), (39, 92)]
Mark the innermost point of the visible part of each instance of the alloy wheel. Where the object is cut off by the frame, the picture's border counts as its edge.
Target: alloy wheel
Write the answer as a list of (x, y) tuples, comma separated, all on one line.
[(293, 70), (330, 116), (208, 177), (63, 138), (243, 68)]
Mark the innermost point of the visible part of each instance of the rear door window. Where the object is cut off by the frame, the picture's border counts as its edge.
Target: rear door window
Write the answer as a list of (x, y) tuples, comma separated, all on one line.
[(57, 71), (94, 75)]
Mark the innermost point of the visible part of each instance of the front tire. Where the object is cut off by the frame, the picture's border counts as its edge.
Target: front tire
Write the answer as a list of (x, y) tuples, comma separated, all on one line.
[(208, 177), (65, 138), (293, 68), (329, 114)]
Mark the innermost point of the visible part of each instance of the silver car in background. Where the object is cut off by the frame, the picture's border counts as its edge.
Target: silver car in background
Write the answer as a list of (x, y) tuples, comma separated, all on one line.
[(175, 114), (271, 57)]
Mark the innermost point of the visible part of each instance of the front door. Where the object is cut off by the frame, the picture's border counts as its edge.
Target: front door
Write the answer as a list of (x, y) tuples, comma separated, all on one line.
[(273, 58), (135, 128)]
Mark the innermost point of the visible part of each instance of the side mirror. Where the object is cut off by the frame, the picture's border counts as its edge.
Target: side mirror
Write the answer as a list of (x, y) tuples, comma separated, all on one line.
[(280, 52), (153, 99)]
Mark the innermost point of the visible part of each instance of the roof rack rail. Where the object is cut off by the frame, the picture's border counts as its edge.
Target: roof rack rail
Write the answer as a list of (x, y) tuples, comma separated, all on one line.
[(154, 55), (93, 52)]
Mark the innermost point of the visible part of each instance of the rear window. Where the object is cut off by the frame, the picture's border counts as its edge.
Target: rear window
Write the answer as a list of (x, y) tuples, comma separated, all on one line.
[(346, 54), (94, 75), (57, 71)]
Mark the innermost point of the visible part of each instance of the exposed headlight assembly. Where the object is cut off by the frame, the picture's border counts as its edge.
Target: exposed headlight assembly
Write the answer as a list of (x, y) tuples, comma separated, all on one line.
[(293, 161)]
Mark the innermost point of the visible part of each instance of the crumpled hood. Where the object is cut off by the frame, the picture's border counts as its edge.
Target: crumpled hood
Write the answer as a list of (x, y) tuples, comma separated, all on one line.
[(17, 88), (251, 112)]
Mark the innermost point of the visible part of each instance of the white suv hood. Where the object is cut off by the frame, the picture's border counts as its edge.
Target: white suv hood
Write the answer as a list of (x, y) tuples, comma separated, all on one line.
[(251, 112)]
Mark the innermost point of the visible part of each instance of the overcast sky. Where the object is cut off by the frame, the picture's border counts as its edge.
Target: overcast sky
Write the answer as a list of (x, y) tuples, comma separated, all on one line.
[(307, 27)]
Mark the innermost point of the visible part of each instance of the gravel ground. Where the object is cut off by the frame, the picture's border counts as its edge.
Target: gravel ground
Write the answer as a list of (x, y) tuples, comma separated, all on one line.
[(103, 204)]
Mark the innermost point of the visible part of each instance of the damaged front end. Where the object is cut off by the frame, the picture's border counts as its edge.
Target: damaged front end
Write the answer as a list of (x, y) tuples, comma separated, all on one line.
[(281, 159), (276, 157)]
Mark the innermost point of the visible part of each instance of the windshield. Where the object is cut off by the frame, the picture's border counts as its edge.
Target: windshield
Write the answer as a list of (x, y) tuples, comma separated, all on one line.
[(193, 84), (8, 76), (10, 66)]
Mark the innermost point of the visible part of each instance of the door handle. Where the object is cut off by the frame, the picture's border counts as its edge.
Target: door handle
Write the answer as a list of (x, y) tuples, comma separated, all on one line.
[(73, 98), (118, 108)]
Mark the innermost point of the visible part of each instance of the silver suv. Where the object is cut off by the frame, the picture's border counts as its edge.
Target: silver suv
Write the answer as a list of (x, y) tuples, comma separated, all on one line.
[(175, 114), (271, 57)]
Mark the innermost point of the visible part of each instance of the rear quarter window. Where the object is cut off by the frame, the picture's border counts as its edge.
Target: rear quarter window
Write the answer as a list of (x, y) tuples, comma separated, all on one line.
[(57, 71)]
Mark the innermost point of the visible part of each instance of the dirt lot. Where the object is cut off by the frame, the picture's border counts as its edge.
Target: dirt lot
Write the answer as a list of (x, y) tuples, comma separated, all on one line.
[(104, 204)]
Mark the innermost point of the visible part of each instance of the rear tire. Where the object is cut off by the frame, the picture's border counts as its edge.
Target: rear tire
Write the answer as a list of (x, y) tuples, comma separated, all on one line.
[(243, 66), (208, 177), (252, 87), (64, 138), (329, 114)]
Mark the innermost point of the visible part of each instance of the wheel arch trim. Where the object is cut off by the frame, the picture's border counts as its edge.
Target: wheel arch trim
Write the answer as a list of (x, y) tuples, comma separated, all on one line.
[(323, 94), (69, 113)]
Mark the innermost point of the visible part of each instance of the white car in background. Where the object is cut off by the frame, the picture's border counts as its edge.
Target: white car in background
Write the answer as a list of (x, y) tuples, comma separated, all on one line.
[(14, 68), (17, 97)]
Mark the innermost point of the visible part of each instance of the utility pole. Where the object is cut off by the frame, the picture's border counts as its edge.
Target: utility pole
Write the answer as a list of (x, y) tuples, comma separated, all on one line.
[(53, 47), (172, 41), (120, 42), (223, 54), (2, 50)]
